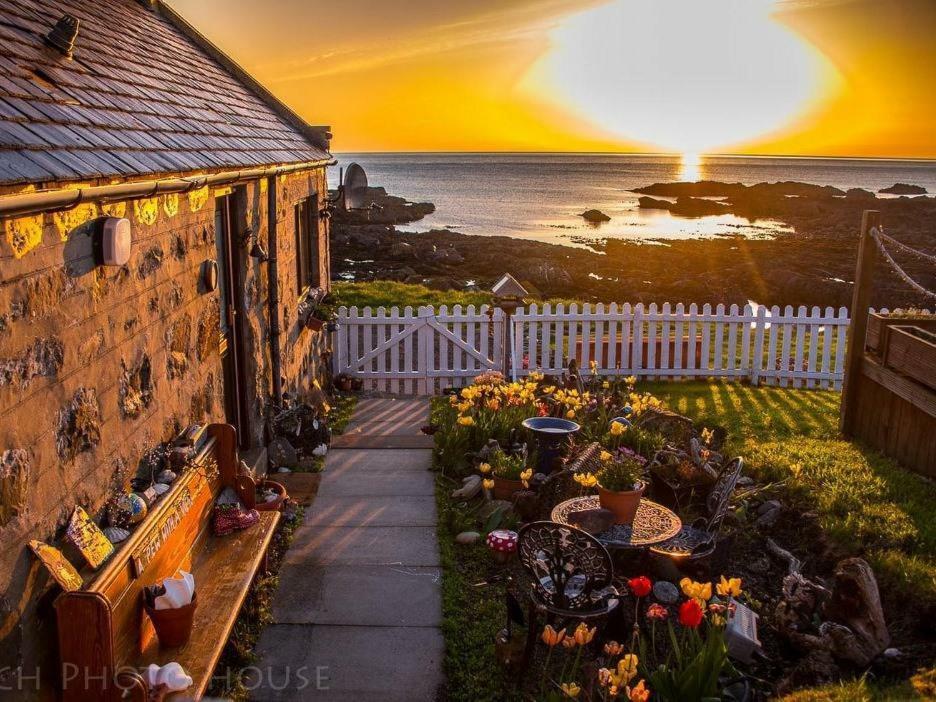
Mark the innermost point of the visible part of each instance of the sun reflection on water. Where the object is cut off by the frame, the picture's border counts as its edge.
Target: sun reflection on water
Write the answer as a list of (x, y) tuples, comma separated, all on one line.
[(690, 167)]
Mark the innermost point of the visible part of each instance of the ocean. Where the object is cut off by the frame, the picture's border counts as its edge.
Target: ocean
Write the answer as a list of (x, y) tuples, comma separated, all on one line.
[(539, 196)]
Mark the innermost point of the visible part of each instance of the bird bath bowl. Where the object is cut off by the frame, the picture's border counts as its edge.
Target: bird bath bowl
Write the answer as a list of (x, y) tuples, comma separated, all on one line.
[(550, 433)]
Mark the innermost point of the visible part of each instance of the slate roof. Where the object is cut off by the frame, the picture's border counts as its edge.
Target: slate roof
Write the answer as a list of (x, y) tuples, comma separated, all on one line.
[(139, 97)]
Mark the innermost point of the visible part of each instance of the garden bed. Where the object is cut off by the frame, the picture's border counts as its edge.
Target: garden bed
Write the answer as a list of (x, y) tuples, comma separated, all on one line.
[(836, 500)]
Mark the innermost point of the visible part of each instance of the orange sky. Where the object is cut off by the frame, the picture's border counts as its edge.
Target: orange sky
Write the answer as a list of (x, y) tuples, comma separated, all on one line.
[(817, 77)]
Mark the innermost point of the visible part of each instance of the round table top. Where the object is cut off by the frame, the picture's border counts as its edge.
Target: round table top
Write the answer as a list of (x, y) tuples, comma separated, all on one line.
[(653, 524)]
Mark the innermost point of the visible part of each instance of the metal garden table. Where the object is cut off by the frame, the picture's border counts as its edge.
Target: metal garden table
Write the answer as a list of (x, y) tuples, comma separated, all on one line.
[(652, 525)]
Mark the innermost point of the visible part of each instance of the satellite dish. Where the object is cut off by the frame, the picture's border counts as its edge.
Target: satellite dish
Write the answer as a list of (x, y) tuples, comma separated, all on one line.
[(354, 187)]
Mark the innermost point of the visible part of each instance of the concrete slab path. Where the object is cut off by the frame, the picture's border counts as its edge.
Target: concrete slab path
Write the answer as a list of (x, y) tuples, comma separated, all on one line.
[(357, 612)]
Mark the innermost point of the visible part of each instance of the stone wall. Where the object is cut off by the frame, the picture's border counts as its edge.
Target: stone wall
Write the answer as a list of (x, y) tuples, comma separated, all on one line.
[(97, 365)]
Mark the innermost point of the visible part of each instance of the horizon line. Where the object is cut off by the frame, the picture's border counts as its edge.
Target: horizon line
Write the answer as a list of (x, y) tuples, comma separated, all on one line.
[(673, 154)]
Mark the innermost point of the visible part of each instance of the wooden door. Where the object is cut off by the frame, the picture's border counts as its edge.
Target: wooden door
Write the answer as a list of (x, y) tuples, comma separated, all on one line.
[(232, 330)]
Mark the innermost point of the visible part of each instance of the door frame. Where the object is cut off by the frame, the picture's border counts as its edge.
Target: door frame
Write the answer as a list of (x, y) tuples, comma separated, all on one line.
[(232, 347)]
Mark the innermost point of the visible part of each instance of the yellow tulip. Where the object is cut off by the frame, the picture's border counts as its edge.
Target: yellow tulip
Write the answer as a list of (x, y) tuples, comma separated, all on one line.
[(583, 635), (730, 587), (466, 421), (570, 690), (485, 468), (618, 428), (605, 456), (551, 637), (627, 667), (697, 591), (570, 414), (488, 484), (585, 479), (525, 477)]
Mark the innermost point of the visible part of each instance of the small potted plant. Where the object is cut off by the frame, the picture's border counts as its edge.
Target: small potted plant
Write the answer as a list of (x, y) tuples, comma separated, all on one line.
[(510, 474), (621, 484)]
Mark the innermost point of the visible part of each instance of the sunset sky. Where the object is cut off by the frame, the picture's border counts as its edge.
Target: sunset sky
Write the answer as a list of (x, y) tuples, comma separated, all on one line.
[(798, 77)]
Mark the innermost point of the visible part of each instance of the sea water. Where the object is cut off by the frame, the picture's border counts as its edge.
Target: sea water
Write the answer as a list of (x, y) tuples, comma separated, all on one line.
[(540, 196)]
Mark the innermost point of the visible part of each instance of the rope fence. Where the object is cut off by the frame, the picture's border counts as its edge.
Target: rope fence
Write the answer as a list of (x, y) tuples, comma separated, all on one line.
[(879, 239)]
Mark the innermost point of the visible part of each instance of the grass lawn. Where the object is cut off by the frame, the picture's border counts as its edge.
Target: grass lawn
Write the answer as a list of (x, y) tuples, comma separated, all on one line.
[(865, 502), (386, 293)]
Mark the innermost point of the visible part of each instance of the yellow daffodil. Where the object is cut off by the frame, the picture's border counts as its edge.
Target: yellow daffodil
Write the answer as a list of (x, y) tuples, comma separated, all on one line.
[(488, 484), (707, 435), (525, 477), (730, 587), (466, 421), (570, 690), (638, 693), (618, 428), (551, 637), (631, 380), (605, 456), (485, 468), (701, 592), (583, 635)]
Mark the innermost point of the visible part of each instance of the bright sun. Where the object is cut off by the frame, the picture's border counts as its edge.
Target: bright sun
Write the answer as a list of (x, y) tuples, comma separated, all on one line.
[(682, 75)]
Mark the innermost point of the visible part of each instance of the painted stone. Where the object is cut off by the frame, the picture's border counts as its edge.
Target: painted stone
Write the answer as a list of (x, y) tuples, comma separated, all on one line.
[(467, 537), (116, 534), (665, 592), (131, 508)]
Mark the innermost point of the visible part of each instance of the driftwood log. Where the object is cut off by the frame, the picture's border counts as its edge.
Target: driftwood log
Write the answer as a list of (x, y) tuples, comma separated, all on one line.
[(852, 625)]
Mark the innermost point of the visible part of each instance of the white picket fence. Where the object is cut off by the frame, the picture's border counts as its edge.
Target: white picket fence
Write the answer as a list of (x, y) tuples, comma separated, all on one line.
[(423, 353)]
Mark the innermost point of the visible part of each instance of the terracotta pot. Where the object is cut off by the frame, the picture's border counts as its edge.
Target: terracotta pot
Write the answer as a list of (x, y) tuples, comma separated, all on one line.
[(623, 504), (504, 489), (173, 626), (273, 505)]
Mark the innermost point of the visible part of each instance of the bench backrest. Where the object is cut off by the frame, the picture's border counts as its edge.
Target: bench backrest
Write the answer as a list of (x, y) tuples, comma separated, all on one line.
[(103, 626)]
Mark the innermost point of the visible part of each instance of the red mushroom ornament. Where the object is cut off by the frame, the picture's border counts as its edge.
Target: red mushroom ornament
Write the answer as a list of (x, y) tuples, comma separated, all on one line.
[(503, 543)]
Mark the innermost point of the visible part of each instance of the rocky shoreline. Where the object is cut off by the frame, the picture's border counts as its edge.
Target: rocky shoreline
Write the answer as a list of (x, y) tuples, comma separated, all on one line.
[(812, 266)]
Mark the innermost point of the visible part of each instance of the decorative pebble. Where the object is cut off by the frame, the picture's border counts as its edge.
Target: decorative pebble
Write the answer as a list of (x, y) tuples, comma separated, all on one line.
[(471, 486), (745, 481), (467, 537), (116, 534), (160, 488), (891, 652), (769, 506), (320, 450), (166, 476), (284, 469), (665, 592)]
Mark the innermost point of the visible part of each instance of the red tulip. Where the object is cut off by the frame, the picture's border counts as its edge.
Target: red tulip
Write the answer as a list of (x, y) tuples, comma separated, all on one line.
[(640, 586), (690, 614)]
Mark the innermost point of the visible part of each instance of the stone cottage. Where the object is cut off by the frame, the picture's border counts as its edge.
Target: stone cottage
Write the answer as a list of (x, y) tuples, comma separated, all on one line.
[(117, 117)]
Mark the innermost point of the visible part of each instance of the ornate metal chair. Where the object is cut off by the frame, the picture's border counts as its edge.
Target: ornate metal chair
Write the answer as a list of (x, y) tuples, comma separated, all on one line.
[(572, 576), (560, 486), (699, 539)]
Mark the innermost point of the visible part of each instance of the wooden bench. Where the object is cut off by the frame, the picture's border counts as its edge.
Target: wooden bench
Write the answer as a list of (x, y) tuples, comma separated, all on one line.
[(105, 638)]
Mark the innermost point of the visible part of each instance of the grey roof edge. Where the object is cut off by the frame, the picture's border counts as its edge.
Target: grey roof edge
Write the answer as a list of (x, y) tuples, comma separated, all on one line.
[(318, 136)]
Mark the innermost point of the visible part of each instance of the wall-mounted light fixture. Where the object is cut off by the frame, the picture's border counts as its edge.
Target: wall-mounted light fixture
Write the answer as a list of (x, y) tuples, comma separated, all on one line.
[(209, 275), (112, 241)]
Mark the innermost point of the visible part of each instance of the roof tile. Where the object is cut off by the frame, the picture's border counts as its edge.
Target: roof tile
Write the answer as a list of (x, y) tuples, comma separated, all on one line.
[(138, 98)]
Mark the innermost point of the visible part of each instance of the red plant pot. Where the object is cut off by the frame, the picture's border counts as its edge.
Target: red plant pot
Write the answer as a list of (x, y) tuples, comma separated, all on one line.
[(623, 504), (504, 489), (272, 505), (173, 626)]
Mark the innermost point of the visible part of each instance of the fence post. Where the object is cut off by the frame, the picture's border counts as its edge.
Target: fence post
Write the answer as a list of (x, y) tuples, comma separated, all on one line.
[(425, 359), (861, 301), (758, 358)]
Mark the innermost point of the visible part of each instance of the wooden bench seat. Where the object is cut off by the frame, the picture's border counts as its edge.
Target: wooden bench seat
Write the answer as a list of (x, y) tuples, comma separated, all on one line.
[(223, 580), (105, 638)]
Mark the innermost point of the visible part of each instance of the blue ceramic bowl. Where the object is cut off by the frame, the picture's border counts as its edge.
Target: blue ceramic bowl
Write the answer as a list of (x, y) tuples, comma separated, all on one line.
[(550, 425)]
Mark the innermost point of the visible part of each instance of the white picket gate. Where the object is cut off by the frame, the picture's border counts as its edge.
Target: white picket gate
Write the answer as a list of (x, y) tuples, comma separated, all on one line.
[(418, 354), (425, 352)]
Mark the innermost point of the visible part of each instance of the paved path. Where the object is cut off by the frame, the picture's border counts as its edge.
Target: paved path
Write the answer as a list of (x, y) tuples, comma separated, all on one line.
[(358, 603)]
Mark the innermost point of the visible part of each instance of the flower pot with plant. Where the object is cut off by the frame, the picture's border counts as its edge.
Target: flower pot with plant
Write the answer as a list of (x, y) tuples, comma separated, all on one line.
[(621, 484), (510, 474)]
